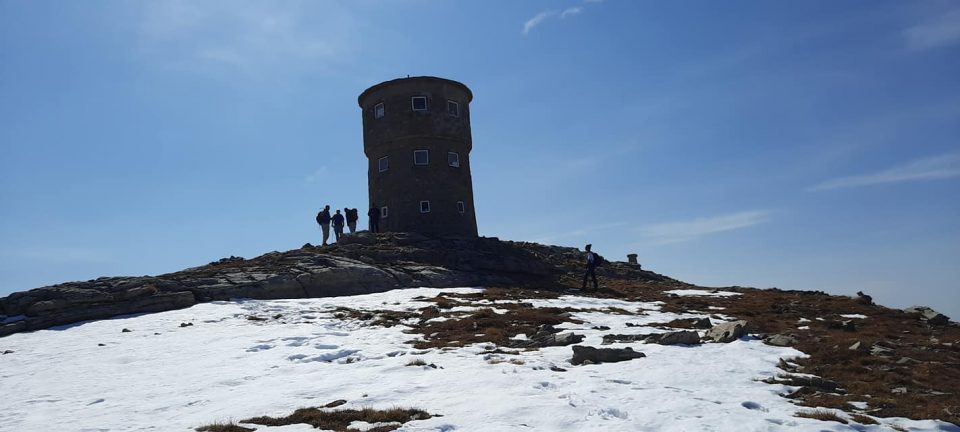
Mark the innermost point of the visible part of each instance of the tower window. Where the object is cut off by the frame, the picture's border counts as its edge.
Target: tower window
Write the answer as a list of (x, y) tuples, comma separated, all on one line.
[(383, 212), (383, 163), (453, 109), (419, 103), (421, 157), (453, 159), (378, 110), (424, 206), (460, 207)]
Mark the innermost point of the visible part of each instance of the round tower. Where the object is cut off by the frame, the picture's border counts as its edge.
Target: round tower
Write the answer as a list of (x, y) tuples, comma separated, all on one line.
[(416, 135)]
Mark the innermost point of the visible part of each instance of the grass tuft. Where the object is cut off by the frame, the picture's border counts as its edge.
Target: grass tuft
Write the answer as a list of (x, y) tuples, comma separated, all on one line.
[(822, 415), (339, 420)]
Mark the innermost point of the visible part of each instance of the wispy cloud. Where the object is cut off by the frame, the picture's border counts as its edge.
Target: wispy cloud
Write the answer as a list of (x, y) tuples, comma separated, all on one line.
[(566, 236), (317, 175), (931, 168), (541, 17), (223, 39), (536, 20), (571, 11), (940, 30), (673, 232)]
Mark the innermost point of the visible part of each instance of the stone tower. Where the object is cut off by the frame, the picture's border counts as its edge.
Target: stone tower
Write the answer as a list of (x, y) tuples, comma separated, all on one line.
[(416, 135)]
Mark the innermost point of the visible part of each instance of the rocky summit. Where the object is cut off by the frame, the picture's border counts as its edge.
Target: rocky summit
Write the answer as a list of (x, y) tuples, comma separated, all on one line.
[(360, 264)]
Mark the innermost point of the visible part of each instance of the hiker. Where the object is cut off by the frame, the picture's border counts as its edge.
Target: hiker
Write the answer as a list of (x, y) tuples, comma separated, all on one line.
[(352, 216), (338, 226), (323, 218), (593, 260), (374, 214)]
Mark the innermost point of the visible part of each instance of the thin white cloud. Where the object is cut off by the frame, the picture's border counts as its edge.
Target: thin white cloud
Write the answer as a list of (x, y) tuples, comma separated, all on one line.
[(673, 232), (537, 20), (940, 30), (571, 11), (232, 40), (317, 175), (931, 168)]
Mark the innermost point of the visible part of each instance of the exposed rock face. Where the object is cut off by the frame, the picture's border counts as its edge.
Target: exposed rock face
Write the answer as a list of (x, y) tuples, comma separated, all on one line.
[(685, 337), (929, 315), (727, 332), (584, 354), (359, 264)]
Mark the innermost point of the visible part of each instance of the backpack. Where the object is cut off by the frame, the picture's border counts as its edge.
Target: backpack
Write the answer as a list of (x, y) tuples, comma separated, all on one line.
[(598, 260)]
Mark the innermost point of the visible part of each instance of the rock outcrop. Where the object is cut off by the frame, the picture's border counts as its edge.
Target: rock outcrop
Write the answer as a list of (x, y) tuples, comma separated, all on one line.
[(929, 315), (591, 355), (727, 332), (359, 264)]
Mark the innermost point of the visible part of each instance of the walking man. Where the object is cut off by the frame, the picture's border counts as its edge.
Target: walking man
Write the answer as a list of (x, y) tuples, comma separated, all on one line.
[(592, 261), (374, 214), (352, 216), (323, 218), (338, 226)]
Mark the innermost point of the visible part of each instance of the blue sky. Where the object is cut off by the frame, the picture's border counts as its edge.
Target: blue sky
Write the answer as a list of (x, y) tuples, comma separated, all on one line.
[(803, 145)]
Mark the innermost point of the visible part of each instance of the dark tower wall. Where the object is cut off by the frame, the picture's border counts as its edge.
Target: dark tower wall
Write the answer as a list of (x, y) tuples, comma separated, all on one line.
[(398, 134)]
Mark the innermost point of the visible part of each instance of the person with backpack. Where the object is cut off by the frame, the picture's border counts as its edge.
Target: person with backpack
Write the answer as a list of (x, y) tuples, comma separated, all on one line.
[(338, 226), (352, 216), (323, 218), (593, 260), (374, 214)]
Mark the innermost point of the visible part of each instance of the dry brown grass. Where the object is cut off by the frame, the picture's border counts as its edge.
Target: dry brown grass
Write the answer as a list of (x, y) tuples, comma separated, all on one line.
[(417, 362), (339, 420), (935, 372), (862, 419), (485, 325), (223, 427), (822, 415)]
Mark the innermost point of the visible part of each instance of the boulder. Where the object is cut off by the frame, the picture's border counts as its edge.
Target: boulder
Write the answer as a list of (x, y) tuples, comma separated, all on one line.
[(863, 298), (780, 340), (727, 332), (702, 323), (583, 354), (675, 338), (929, 315)]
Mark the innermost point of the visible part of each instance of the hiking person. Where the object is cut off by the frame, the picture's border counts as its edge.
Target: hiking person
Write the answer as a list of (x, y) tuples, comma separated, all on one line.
[(593, 260), (352, 216), (323, 218), (338, 226), (374, 214)]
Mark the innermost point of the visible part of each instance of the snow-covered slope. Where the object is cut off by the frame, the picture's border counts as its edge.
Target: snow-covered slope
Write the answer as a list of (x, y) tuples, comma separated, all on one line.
[(164, 377)]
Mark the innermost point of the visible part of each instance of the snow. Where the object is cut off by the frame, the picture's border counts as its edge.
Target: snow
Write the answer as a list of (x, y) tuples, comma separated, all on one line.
[(854, 316), (803, 328), (702, 293), (225, 367), (803, 320)]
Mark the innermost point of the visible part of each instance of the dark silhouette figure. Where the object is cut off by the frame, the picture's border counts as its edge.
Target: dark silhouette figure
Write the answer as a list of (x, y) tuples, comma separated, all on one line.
[(323, 218), (592, 260), (374, 214), (352, 216), (338, 226)]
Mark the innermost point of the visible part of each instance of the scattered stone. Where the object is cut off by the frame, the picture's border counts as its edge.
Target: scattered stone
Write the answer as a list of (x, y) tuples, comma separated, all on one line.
[(804, 381), (8, 352), (255, 318), (931, 316), (278, 316), (702, 323), (845, 325), (880, 350), (100, 344), (557, 369), (634, 325), (126, 330), (780, 340), (907, 360), (186, 325), (584, 354), (858, 346), (898, 390), (727, 332), (335, 403), (601, 328)]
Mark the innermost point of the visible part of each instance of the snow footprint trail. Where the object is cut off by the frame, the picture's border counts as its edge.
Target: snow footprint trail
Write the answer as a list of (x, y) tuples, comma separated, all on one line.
[(226, 367)]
